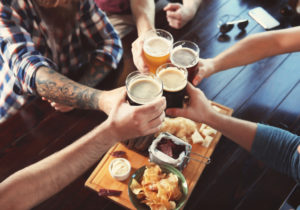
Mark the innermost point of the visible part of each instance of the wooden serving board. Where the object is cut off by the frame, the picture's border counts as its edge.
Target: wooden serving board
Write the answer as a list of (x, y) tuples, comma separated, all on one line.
[(100, 178)]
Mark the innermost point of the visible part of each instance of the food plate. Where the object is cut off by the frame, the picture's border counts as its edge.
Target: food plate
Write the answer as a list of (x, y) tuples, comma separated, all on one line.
[(101, 179), (165, 169)]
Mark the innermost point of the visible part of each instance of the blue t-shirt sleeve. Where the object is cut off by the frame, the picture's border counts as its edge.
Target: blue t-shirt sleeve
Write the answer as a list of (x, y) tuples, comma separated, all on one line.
[(277, 148)]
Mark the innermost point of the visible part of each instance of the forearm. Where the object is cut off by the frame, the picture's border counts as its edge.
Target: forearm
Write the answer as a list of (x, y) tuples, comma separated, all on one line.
[(245, 52), (240, 131), (192, 5), (144, 13), (61, 89), (50, 175), (258, 46)]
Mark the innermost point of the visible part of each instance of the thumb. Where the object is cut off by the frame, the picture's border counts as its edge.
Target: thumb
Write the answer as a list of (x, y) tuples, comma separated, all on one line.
[(172, 7)]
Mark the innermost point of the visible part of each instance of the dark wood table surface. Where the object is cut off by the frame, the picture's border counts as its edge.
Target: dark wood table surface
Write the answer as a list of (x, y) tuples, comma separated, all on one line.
[(267, 91)]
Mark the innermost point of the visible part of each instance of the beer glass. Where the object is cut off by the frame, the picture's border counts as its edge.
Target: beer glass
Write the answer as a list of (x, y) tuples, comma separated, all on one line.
[(174, 80), (157, 46), (186, 54), (143, 88)]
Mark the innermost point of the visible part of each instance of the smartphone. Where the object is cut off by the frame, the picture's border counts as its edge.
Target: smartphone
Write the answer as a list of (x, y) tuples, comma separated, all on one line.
[(261, 16)]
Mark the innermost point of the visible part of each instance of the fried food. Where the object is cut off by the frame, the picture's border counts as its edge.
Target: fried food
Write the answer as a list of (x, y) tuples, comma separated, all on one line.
[(189, 131), (158, 190)]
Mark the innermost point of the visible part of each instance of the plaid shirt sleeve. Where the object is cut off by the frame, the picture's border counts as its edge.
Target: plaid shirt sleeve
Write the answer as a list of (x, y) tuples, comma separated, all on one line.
[(96, 26), (17, 49)]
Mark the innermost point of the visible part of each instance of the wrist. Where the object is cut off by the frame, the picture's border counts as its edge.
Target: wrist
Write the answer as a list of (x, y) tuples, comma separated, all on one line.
[(211, 118), (110, 130), (101, 101), (191, 10), (214, 66)]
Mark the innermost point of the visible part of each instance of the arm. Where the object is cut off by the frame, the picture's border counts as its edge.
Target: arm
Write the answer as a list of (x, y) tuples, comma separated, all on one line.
[(50, 175), (244, 131), (56, 87), (144, 13), (247, 51), (275, 147), (178, 15)]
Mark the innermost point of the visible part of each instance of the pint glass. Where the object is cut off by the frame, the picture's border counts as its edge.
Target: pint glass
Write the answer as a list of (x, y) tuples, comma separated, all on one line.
[(143, 88), (157, 46), (186, 54), (174, 80)]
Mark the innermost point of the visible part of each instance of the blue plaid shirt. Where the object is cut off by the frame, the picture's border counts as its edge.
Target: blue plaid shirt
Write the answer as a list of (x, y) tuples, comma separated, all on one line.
[(24, 48)]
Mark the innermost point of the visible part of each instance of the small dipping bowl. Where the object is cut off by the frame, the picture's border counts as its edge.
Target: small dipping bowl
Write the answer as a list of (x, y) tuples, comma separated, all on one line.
[(119, 168)]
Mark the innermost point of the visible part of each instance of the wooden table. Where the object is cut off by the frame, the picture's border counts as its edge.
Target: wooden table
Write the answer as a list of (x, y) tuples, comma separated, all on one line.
[(267, 91), (101, 179)]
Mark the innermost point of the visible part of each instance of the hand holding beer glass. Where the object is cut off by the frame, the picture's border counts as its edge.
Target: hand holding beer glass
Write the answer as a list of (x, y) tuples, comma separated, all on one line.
[(142, 88), (156, 49), (185, 54)]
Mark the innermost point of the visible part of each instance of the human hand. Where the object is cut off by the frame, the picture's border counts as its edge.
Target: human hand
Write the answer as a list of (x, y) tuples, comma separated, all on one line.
[(59, 107), (199, 108), (205, 69), (178, 15), (138, 56), (109, 98), (134, 121)]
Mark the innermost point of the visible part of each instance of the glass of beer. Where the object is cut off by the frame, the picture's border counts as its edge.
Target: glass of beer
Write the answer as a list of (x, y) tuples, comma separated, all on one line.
[(157, 46), (174, 80), (186, 54), (143, 88)]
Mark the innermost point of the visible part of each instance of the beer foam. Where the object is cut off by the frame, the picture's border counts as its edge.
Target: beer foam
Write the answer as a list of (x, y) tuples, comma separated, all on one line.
[(184, 57), (144, 90), (157, 46), (173, 79)]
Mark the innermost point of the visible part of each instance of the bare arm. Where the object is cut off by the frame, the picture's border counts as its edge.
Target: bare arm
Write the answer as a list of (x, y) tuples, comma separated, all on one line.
[(50, 175), (241, 132), (250, 49), (258, 46), (144, 13), (192, 5), (277, 148)]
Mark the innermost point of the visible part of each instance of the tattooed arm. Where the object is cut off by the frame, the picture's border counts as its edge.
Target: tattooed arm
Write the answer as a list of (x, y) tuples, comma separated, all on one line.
[(56, 87)]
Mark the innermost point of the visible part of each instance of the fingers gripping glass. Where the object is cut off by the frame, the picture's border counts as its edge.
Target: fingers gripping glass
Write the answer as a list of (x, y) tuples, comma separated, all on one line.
[(225, 26)]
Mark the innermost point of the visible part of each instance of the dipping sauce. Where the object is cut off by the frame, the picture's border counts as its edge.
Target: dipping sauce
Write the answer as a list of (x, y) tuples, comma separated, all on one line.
[(119, 168)]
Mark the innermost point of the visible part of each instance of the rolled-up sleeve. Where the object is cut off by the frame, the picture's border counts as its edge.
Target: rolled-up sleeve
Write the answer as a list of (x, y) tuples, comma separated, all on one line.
[(96, 26), (277, 148), (17, 49)]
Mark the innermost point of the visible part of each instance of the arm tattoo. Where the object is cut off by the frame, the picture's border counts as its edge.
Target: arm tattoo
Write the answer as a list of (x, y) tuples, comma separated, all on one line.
[(56, 87)]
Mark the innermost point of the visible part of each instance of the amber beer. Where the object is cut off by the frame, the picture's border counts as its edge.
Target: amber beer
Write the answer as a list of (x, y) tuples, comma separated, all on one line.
[(186, 54), (157, 46), (174, 80), (143, 88)]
